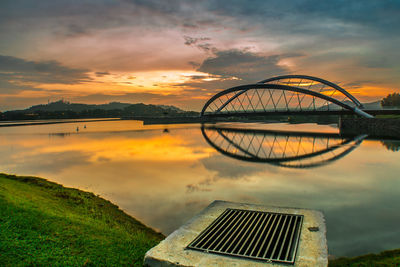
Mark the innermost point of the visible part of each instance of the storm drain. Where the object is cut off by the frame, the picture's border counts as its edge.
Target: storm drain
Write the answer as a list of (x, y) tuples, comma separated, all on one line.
[(266, 236)]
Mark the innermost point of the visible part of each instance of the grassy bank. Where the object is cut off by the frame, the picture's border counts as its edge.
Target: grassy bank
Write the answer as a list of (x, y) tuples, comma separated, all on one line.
[(43, 223)]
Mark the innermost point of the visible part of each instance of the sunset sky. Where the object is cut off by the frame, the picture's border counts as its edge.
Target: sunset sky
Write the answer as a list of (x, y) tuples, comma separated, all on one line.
[(182, 52)]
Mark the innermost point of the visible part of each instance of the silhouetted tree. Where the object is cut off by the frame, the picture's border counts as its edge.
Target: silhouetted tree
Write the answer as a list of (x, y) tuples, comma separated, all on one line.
[(392, 100)]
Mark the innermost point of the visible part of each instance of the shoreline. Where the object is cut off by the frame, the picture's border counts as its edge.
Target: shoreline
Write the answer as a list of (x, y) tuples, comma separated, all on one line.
[(56, 121)]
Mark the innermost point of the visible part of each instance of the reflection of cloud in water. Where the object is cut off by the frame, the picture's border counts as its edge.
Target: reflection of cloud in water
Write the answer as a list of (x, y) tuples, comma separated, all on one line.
[(52, 162), (103, 159), (226, 168), (61, 135), (371, 226)]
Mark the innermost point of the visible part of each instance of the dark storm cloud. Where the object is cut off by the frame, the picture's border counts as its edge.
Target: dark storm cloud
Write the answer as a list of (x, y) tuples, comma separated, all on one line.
[(14, 69), (342, 20), (57, 9), (82, 17), (360, 19), (382, 15), (244, 65), (311, 16), (229, 68)]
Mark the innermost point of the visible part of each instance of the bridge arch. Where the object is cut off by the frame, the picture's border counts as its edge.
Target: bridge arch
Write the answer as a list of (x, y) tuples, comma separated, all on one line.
[(277, 95), (314, 84)]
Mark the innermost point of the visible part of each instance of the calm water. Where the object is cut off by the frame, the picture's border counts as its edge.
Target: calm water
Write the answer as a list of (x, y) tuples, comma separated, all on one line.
[(163, 175)]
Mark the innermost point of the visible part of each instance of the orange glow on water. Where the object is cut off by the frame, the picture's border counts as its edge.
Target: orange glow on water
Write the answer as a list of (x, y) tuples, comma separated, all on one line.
[(160, 148)]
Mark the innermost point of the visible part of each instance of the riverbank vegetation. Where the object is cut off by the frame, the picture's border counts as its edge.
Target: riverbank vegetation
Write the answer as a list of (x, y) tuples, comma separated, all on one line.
[(44, 223), (385, 258), (391, 100)]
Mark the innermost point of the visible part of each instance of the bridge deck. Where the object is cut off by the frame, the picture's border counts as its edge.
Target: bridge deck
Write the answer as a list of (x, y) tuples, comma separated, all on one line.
[(325, 112)]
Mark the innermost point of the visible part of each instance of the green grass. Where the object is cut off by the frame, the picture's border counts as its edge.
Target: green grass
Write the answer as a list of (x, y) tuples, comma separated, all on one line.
[(392, 116), (385, 258), (45, 224)]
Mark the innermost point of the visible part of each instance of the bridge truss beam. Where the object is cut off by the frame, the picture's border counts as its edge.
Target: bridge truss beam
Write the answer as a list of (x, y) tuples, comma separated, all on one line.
[(252, 99)]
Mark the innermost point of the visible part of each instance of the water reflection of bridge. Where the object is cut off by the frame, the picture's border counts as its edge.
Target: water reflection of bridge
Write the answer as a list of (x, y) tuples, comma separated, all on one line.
[(282, 148)]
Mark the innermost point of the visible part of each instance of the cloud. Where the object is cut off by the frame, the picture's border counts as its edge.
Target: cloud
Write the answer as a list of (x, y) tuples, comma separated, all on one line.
[(310, 15), (73, 30), (244, 65), (194, 64), (13, 69), (229, 68), (7, 87), (191, 40), (200, 43), (19, 75), (102, 73), (300, 17)]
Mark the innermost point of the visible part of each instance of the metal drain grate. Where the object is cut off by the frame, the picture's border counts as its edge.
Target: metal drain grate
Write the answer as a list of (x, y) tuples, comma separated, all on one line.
[(252, 234)]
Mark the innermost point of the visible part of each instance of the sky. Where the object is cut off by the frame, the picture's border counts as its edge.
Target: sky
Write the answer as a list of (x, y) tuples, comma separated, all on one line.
[(182, 52)]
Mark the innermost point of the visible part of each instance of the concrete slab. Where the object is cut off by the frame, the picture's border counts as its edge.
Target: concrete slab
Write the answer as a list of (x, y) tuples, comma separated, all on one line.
[(312, 249)]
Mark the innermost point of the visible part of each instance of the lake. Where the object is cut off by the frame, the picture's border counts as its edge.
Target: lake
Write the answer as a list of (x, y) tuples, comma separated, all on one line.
[(165, 174)]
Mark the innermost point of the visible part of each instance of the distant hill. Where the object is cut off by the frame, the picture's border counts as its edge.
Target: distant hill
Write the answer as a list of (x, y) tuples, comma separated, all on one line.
[(376, 105), (332, 106), (62, 110), (67, 106)]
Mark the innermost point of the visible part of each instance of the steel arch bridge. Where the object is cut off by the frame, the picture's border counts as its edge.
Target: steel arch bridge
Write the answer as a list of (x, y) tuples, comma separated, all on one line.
[(283, 95), (281, 148)]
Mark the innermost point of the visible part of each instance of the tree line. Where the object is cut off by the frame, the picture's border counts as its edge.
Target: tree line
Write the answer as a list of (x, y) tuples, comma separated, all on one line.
[(133, 110), (391, 100)]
